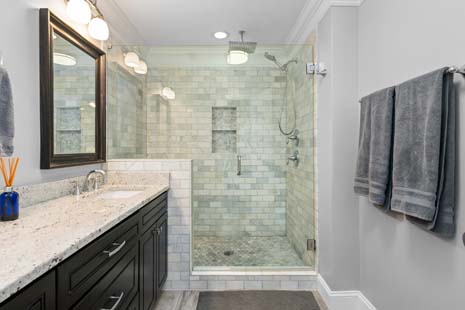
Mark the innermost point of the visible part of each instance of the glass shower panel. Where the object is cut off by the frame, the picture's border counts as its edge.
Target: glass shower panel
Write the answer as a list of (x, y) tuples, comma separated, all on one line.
[(262, 217)]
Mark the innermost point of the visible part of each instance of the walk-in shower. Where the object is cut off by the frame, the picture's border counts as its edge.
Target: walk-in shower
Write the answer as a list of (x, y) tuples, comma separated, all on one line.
[(262, 217)]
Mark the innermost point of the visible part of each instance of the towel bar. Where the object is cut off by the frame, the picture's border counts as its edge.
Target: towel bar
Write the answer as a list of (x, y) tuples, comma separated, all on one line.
[(457, 70)]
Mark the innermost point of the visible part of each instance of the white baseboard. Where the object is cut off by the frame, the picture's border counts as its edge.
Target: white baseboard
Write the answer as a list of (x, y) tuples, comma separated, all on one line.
[(343, 300)]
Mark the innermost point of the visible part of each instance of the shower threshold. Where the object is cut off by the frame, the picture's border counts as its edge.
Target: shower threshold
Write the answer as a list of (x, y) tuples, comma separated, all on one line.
[(251, 255), (253, 271)]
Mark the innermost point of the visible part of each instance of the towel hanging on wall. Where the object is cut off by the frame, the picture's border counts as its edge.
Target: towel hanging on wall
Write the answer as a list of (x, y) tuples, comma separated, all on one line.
[(373, 170), (424, 151), (7, 129)]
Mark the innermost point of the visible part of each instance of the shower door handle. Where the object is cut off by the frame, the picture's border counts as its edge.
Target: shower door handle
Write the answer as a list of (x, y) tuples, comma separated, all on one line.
[(239, 164)]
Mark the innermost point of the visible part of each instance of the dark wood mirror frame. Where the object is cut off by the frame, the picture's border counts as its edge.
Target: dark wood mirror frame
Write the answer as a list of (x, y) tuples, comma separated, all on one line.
[(50, 23)]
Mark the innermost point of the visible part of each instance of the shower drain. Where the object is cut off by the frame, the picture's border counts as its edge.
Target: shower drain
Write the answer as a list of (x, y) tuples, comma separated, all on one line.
[(228, 253)]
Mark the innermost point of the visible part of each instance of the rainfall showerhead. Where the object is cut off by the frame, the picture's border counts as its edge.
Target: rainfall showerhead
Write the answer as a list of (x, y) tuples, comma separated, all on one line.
[(248, 47)]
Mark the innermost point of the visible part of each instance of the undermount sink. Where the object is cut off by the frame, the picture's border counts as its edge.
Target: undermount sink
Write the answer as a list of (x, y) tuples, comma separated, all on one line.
[(122, 194)]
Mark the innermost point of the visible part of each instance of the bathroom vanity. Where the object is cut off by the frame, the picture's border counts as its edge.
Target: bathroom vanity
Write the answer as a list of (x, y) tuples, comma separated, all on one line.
[(105, 250)]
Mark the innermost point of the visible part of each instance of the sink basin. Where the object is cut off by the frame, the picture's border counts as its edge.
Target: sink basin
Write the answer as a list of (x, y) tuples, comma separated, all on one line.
[(118, 194)]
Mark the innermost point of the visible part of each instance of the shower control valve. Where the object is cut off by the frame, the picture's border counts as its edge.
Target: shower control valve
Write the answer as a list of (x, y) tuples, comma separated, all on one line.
[(294, 137), (294, 158)]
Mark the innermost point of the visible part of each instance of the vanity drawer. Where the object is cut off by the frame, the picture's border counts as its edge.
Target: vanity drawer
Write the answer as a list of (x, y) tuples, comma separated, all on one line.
[(153, 210), (118, 288), (83, 270)]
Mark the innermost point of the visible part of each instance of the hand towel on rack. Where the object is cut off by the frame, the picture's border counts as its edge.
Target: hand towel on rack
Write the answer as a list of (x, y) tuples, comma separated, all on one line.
[(372, 176), (7, 129), (420, 140), (443, 222)]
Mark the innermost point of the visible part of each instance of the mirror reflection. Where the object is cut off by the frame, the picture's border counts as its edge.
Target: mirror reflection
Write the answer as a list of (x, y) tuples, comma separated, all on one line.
[(74, 98)]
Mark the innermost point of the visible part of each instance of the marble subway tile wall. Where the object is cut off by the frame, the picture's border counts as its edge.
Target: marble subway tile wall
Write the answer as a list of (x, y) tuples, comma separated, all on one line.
[(220, 113), (126, 118), (300, 181), (74, 117)]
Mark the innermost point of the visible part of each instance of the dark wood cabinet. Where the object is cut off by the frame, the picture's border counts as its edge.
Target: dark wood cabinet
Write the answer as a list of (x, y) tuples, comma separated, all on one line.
[(153, 247), (162, 247), (148, 265), (123, 269), (40, 295)]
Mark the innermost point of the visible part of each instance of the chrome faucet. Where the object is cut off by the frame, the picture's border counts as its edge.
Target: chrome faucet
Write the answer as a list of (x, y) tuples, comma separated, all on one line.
[(92, 175), (294, 158), (294, 137)]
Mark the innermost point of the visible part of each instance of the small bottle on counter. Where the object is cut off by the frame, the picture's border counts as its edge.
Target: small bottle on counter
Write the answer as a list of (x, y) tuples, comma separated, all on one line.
[(9, 205)]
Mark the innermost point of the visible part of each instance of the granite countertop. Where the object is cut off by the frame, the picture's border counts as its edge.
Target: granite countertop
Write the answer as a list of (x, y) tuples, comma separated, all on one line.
[(47, 233)]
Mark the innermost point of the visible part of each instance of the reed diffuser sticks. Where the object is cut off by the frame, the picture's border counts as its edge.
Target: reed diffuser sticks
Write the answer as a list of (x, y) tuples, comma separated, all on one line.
[(8, 167)]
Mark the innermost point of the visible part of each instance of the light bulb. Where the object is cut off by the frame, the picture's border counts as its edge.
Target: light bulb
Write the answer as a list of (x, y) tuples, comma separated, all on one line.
[(131, 59), (79, 11), (98, 29), (237, 57), (141, 68), (168, 93)]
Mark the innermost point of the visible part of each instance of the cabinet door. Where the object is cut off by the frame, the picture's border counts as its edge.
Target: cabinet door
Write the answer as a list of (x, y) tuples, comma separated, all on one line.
[(162, 243), (148, 268), (39, 296)]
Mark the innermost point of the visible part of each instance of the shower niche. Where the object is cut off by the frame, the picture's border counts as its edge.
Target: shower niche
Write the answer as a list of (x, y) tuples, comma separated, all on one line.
[(224, 131)]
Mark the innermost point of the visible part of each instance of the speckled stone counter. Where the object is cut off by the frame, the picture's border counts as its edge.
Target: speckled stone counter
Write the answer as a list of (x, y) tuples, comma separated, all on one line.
[(49, 232)]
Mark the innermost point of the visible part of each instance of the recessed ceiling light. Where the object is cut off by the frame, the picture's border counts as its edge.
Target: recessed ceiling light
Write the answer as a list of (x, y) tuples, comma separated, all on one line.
[(220, 35), (63, 59)]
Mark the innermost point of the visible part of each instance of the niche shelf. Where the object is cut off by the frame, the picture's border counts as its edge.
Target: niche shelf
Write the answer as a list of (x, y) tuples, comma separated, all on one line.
[(224, 132)]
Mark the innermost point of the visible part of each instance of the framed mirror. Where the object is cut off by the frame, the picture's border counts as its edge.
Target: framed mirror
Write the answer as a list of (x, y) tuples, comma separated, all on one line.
[(72, 96)]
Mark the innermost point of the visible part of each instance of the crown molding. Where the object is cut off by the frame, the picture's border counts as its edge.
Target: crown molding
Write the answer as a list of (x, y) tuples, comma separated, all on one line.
[(310, 16), (122, 30)]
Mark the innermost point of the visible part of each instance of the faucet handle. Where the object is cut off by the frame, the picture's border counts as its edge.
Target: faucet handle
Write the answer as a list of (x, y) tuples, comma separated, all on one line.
[(77, 190)]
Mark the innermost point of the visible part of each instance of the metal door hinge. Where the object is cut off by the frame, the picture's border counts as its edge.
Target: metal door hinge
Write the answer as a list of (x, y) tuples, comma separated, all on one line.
[(311, 245), (316, 68)]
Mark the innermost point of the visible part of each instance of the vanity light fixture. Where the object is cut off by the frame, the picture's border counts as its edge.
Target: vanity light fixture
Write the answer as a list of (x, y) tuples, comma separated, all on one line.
[(220, 35), (141, 67), (131, 59), (79, 11), (64, 59), (98, 29), (168, 93)]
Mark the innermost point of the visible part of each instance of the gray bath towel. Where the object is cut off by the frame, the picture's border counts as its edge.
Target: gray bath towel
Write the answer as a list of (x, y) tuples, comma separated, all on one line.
[(7, 130), (422, 124), (443, 222), (372, 176)]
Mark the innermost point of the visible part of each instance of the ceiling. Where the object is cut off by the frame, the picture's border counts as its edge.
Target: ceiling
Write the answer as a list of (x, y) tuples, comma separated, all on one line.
[(193, 22)]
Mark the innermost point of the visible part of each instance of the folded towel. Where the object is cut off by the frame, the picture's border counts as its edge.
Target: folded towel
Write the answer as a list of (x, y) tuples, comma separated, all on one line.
[(7, 130), (420, 134), (443, 222), (372, 176)]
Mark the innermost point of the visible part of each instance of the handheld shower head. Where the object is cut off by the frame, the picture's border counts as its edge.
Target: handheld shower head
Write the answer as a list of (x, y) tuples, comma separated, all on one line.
[(270, 57), (273, 59)]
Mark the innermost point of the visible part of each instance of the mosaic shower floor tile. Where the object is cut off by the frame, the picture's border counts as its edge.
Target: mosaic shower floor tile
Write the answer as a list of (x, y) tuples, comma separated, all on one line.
[(245, 251)]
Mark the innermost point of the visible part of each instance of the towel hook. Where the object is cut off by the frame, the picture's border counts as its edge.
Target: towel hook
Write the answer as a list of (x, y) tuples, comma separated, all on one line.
[(1, 59)]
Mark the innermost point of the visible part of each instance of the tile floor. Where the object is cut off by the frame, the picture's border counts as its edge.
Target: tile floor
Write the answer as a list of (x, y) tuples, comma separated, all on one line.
[(245, 251), (187, 300)]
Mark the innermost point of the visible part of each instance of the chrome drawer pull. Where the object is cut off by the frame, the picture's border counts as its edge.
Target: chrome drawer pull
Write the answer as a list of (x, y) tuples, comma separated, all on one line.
[(120, 246), (119, 298)]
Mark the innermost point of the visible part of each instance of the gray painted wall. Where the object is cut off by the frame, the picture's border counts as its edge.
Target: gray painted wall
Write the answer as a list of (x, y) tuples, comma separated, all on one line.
[(19, 33), (337, 140), (398, 40)]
